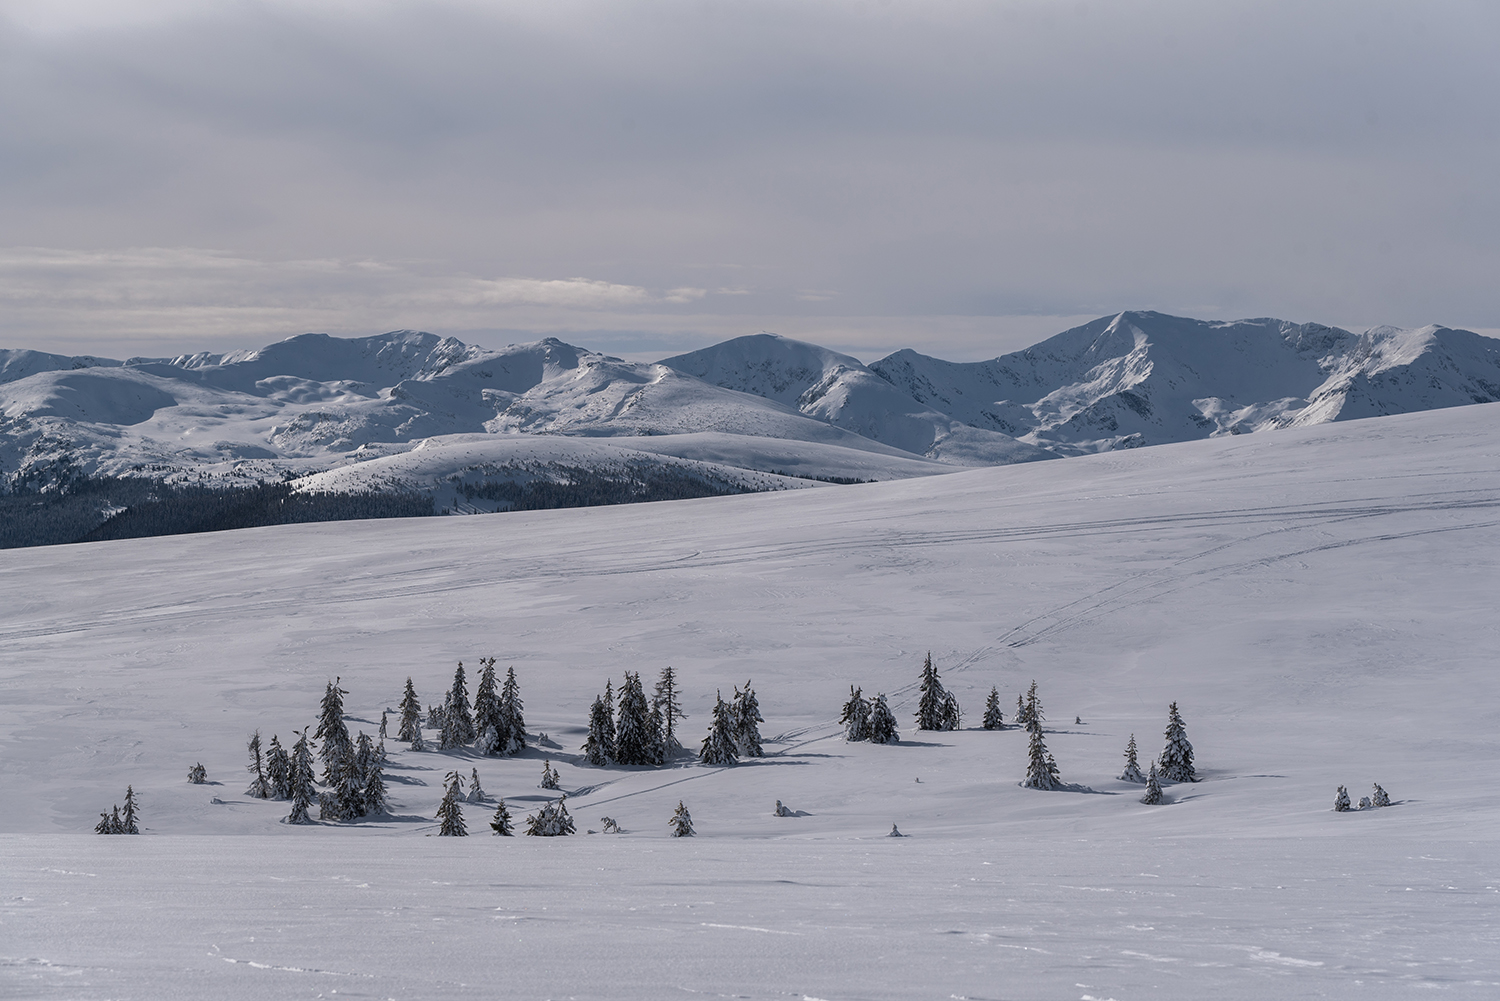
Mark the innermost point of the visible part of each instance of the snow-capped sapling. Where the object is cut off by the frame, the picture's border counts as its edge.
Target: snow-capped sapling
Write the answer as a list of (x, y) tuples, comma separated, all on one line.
[(1153, 789), (681, 822), (549, 777), (1341, 801), (501, 824), (1132, 772), (993, 718), (476, 794), (450, 813), (197, 774), (1379, 796)]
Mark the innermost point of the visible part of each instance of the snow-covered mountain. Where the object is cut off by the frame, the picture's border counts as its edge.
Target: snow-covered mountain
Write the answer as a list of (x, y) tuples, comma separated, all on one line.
[(1143, 378)]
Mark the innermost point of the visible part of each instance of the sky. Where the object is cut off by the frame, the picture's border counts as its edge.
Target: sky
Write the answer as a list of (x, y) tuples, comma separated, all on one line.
[(644, 178)]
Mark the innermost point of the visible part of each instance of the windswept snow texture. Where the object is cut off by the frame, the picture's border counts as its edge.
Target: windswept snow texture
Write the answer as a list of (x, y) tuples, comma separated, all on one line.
[(1143, 378), (1318, 602)]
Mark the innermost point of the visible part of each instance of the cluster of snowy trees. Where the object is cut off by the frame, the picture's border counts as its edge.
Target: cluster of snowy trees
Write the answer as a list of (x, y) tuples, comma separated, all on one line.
[(116, 822), (735, 730), (865, 720), (643, 731), (1377, 798), (1174, 765), (494, 725)]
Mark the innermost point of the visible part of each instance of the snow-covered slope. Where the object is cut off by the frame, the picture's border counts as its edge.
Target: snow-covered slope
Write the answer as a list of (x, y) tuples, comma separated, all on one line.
[(839, 389), (1319, 603), (1144, 378)]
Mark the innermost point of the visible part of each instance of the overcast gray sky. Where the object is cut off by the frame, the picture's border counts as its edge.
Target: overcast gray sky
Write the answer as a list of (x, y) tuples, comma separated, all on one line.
[(649, 177)]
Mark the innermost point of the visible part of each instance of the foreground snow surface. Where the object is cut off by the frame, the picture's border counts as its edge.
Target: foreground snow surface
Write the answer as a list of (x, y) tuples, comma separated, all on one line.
[(1319, 602)]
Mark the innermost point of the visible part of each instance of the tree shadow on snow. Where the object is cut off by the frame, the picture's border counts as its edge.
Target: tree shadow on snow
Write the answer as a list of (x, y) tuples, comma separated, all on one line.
[(406, 780)]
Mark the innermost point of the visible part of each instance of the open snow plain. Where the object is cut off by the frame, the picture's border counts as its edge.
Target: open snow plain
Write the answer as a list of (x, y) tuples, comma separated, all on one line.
[(1319, 601)]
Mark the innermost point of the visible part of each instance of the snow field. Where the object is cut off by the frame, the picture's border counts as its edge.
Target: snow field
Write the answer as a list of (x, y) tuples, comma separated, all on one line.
[(1318, 601)]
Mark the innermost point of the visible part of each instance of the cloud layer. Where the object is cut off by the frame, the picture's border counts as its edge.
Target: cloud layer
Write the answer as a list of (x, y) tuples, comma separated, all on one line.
[(723, 167)]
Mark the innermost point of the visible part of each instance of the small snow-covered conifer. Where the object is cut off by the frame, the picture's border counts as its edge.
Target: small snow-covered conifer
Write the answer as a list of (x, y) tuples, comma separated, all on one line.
[(501, 824), (1177, 757), (609, 713), (745, 715), (993, 718), (551, 821), (882, 722), (260, 786), (197, 774), (681, 822), (476, 794), (856, 716), (596, 748), (487, 721), (1341, 801), (418, 742), (450, 812), (458, 719), (1041, 770), (953, 717), (1364, 803), (666, 698), (549, 777), (718, 747), (279, 769), (384, 722), (936, 709), (116, 825), (372, 796), (1153, 789), (128, 823), (1021, 719), (434, 717), (411, 714), (1379, 797), (1132, 772), (105, 826), (301, 790)]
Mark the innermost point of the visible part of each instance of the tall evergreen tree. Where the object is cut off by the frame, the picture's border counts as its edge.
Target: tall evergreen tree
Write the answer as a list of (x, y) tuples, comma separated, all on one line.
[(1041, 770), (609, 714), (718, 747), (487, 719), (993, 718), (1035, 716), (1176, 762), (1153, 789), (1132, 772), (513, 721), (1020, 719), (667, 700), (411, 714), (634, 744), (128, 823), (302, 792), (936, 709), (953, 717), (501, 824), (340, 772), (279, 769), (458, 717), (681, 822), (597, 749), (450, 812), (260, 787), (856, 716), (745, 716), (372, 795), (882, 722)]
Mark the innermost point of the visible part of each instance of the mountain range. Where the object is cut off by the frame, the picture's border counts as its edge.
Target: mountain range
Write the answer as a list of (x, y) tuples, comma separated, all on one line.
[(411, 411)]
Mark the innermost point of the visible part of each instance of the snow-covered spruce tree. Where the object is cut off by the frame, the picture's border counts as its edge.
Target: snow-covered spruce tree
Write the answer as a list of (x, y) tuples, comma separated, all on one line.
[(1365, 804), (1379, 797), (549, 777), (551, 821), (197, 774), (450, 813), (128, 823), (1035, 716), (681, 822), (1020, 719), (435, 717), (458, 717), (882, 722), (279, 769), (1041, 770), (487, 722), (1132, 772), (476, 794), (953, 716), (596, 748), (1153, 789), (340, 772), (372, 796), (666, 699), (1341, 801), (512, 718), (116, 825), (260, 786), (718, 747), (366, 764), (933, 709), (301, 790), (501, 822), (106, 824), (635, 741), (1176, 761), (609, 730), (384, 722), (856, 716), (993, 718), (745, 715), (411, 714)]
